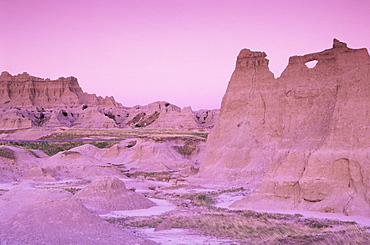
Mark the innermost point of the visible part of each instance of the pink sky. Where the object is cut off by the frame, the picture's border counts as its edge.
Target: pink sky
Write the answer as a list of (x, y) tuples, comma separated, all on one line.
[(181, 51)]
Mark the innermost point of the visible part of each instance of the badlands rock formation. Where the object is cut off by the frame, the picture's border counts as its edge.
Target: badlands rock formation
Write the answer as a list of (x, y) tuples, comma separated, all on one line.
[(26, 91), (87, 162), (79, 164), (155, 155), (110, 194), (28, 101), (50, 216), (162, 114), (301, 139), (15, 162)]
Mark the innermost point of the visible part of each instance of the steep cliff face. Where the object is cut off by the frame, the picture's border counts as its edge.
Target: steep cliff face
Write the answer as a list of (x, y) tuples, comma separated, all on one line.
[(27, 91), (28, 101), (305, 137), (238, 144)]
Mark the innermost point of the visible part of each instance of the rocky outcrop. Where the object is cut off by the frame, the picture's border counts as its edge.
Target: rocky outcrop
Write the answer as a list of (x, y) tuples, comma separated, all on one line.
[(28, 101), (13, 119), (301, 139), (207, 118), (30, 215), (15, 162), (78, 164), (181, 120), (26, 91), (110, 194), (233, 146), (162, 114), (155, 154)]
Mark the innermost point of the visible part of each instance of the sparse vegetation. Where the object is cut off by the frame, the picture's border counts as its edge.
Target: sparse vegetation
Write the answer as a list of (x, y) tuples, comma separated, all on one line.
[(103, 138), (199, 199), (72, 190), (120, 165), (52, 148), (7, 153), (187, 149), (249, 227), (131, 144), (156, 176), (121, 134)]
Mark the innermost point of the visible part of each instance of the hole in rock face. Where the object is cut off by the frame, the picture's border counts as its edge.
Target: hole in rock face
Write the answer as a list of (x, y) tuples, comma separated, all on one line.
[(311, 64)]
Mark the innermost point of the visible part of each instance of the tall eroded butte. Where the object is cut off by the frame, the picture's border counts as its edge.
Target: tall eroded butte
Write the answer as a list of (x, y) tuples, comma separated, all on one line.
[(302, 139)]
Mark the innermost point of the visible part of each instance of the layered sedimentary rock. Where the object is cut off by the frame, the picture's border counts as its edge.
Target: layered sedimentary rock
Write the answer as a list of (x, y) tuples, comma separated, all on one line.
[(28, 101), (162, 114), (24, 90), (301, 138), (13, 119), (234, 144)]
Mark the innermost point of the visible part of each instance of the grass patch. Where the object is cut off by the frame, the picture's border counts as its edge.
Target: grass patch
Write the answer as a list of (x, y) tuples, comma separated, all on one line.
[(199, 199), (206, 199), (253, 227), (52, 148), (121, 134)]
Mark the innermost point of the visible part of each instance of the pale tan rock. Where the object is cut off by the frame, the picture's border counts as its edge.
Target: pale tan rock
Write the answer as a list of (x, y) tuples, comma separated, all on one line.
[(173, 119), (39, 175), (28, 134), (110, 194), (207, 118), (93, 118), (12, 119), (15, 162), (39, 102), (77, 164), (15, 123), (160, 114), (301, 138), (151, 155), (50, 216), (233, 155), (28, 91)]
